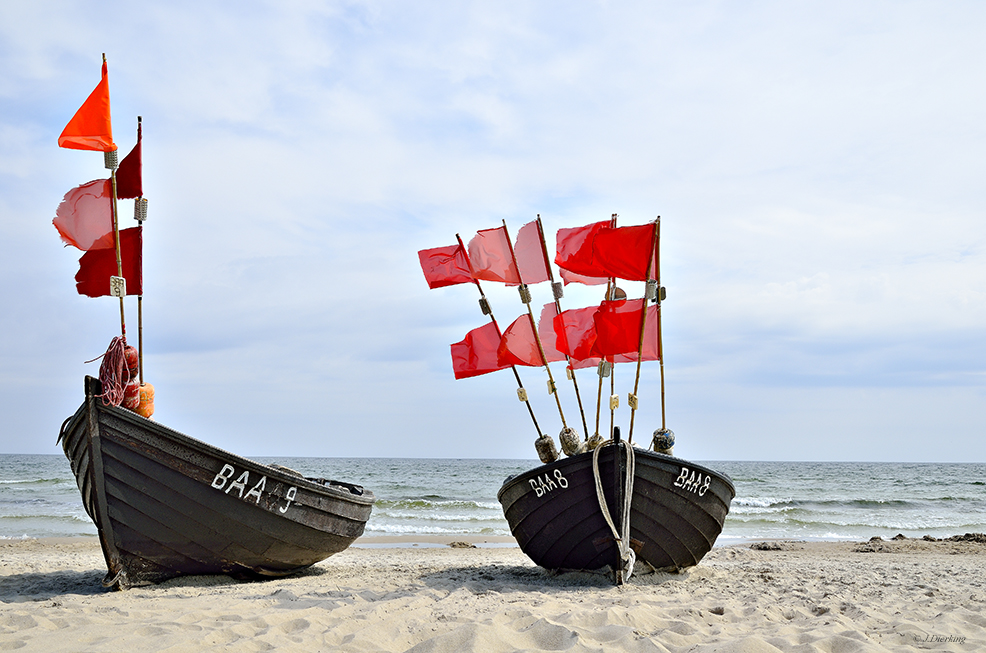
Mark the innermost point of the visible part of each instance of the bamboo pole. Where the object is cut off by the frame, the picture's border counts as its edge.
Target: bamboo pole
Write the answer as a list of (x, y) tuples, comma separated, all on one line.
[(660, 315), (140, 297), (552, 388), (652, 261), (610, 290), (488, 310), (116, 234), (568, 359)]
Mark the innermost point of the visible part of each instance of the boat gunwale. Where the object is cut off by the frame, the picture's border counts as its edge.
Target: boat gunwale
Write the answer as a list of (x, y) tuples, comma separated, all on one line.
[(566, 460), (210, 450)]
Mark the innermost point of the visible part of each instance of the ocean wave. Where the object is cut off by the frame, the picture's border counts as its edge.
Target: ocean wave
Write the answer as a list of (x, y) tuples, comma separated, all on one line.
[(37, 481), (755, 504), (399, 529), (438, 517), (813, 522), (63, 519), (436, 503)]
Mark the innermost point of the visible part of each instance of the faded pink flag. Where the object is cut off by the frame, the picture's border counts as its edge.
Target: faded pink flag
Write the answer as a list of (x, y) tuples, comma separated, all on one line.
[(84, 218)]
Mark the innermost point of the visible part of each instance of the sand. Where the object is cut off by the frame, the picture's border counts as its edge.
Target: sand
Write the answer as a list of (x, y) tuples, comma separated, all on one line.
[(385, 595)]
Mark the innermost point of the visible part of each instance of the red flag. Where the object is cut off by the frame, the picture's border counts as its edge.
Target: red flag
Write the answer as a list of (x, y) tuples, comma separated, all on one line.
[(129, 176), (476, 353), (576, 332), (610, 331), (489, 255), (652, 345), (445, 266), (90, 128), (530, 254), (571, 277), (97, 266), (549, 339), (84, 218), (592, 361), (599, 251), (574, 249), (518, 345), (624, 252), (546, 329), (617, 327)]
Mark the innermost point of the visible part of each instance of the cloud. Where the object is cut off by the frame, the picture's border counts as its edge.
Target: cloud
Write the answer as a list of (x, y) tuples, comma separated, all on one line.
[(817, 169)]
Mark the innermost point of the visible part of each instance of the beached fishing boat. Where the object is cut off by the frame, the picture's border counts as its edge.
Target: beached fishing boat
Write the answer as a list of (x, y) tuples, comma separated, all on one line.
[(675, 513), (606, 503), (165, 504)]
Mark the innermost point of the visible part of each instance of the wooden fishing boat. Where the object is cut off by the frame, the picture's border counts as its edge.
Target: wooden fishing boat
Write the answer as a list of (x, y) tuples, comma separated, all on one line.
[(608, 503), (166, 504), (676, 511)]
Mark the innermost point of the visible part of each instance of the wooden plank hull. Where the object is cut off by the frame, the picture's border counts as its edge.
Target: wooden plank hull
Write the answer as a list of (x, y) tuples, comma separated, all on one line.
[(676, 512), (166, 505)]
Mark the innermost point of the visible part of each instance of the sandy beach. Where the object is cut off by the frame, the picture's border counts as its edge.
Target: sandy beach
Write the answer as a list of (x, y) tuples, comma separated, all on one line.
[(389, 595)]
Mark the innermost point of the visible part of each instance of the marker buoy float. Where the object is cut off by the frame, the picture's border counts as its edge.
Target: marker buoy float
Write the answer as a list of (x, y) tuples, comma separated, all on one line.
[(663, 441), (546, 449), (145, 404), (570, 441), (131, 395), (132, 360)]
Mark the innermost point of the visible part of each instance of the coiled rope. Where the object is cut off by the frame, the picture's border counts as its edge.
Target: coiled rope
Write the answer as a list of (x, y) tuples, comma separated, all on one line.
[(627, 554), (114, 375)]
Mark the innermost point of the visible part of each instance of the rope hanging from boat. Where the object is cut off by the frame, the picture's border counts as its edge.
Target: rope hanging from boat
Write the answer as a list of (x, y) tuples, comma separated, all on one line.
[(114, 374), (627, 554), (118, 375)]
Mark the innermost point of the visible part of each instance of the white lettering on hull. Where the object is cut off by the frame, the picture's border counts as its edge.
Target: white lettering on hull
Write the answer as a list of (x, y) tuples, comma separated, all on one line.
[(224, 482), (696, 482), (548, 483)]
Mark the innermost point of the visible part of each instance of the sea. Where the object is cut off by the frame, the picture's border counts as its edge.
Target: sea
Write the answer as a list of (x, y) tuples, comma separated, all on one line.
[(425, 497)]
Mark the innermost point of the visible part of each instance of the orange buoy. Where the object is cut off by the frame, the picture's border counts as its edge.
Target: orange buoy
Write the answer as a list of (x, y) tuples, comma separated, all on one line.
[(132, 360), (145, 405), (131, 395)]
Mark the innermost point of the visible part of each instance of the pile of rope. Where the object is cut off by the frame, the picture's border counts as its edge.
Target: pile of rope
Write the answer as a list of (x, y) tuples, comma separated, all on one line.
[(118, 374)]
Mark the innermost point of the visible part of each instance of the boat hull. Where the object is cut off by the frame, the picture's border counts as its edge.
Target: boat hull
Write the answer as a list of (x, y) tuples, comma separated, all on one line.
[(676, 512), (165, 504)]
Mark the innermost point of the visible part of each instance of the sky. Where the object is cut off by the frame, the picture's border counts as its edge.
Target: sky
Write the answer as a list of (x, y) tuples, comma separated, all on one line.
[(817, 168)]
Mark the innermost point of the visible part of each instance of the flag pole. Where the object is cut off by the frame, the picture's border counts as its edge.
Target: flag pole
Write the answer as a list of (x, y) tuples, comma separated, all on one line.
[(525, 297), (557, 295), (140, 214), (484, 305), (111, 161), (653, 260), (660, 319), (605, 367)]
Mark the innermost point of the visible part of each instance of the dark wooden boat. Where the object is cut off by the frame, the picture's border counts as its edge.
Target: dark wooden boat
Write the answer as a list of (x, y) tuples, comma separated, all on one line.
[(676, 512), (607, 504), (167, 505)]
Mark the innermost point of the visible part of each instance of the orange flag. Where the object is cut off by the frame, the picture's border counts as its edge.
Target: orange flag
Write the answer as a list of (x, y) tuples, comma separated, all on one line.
[(90, 128)]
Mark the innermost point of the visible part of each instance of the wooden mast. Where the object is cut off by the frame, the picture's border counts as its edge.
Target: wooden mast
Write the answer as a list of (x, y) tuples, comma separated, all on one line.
[(653, 260), (140, 214), (660, 317), (557, 297), (111, 160), (605, 367), (526, 299), (484, 305)]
